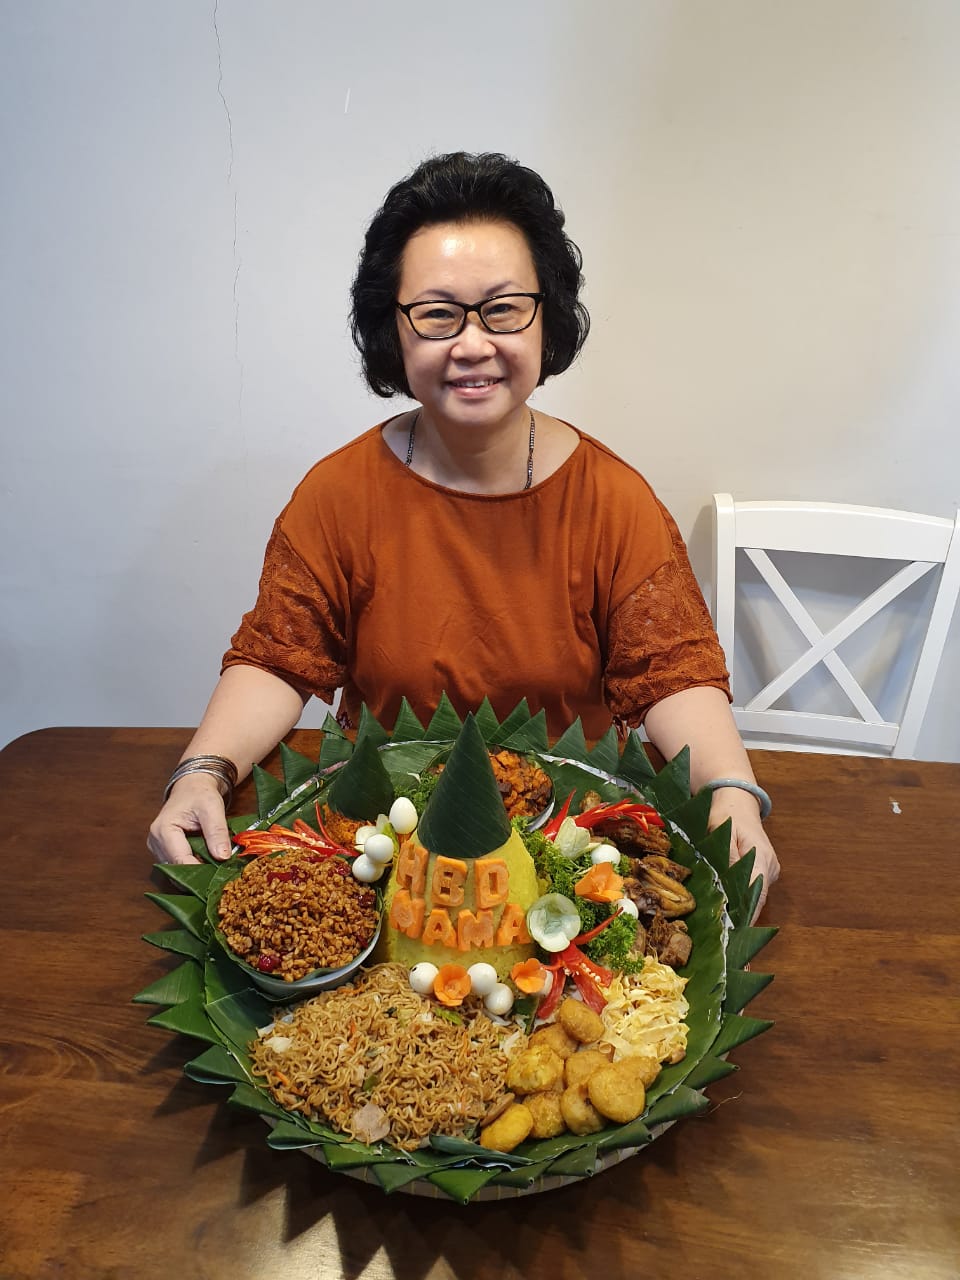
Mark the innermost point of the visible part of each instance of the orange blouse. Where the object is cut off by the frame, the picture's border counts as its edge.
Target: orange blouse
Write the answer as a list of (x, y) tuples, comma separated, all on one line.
[(576, 594)]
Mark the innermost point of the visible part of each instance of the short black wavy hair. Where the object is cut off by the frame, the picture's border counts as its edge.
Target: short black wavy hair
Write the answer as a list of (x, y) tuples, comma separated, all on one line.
[(460, 187)]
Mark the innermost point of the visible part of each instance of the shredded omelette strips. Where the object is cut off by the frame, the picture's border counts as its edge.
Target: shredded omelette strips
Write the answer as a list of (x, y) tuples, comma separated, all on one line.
[(645, 1014)]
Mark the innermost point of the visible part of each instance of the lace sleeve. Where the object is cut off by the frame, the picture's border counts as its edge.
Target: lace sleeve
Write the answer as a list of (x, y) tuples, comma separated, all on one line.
[(661, 640), (293, 630)]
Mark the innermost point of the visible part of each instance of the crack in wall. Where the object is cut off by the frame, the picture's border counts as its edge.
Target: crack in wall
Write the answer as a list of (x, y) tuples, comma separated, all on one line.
[(237, 260)]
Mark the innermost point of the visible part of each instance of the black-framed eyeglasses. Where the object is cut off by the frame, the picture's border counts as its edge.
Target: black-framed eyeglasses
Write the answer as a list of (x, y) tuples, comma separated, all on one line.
[(438, 318)]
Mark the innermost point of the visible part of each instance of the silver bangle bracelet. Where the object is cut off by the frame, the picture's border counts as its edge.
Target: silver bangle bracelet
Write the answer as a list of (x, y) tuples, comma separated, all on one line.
[(218, 767), (766, 804)]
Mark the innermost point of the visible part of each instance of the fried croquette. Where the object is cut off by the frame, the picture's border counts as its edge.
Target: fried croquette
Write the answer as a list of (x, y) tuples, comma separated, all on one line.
[(557, 1037), (579, 1113), (548, 1121), (617, 1091), (580, 1022), (535, 1070), (509, 1129), (580, 1066)]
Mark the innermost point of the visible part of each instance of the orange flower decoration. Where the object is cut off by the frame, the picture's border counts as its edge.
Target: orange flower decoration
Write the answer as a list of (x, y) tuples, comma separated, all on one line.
[(530, 976), (600, 884), (451, 986)]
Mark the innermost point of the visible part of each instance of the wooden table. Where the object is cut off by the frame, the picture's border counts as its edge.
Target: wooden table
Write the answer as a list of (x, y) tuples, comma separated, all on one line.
[(832, 1153)]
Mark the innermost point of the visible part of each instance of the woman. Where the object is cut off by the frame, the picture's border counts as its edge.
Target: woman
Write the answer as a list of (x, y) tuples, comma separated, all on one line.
[(471, 545)]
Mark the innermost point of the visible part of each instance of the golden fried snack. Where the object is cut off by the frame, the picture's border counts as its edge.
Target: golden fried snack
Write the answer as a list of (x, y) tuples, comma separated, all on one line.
[(579, 1021), (557, 1037), (535, 1070), (646, 1066), (581, 1066), (508, 1130), (617, 1090), (579, 1113), (548, 1121)]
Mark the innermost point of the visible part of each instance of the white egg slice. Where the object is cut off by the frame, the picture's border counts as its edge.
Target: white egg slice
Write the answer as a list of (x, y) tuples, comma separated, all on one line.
[(604, 853), (403, 816), (483, 978), (422, 977), (500, 1000), (379, 848), (628, 907), (366, 870)]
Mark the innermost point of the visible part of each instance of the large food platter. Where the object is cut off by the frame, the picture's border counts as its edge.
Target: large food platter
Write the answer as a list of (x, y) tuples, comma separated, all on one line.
[(208, 998)]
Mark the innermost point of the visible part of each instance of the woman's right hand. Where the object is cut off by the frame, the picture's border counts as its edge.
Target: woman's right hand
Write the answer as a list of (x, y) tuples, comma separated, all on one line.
[(194, 805)]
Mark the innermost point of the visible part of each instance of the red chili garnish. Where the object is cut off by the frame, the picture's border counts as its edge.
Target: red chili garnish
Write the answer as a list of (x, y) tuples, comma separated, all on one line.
[(588, 976), (267, 962), (280, 875), (644, 814)]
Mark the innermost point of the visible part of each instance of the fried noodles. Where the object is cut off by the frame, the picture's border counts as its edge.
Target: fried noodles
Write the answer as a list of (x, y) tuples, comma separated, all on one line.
[(378, 1042)]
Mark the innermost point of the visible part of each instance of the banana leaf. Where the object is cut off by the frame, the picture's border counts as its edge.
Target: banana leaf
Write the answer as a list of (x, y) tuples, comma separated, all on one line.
[(217, 1065), (572, 745), (462, 1184), (179, 941), (518, 717), (530, 737), (742, 986), (744, 943), (487, 722), (465, 817), (670, 788), (176, 987), (187, 1019), (606, 753), (270, 790), (407, 728), (708, 1070), (194, 877), (634, 763), (445, 724), (362, 788), (186, 910), (297, 768), (672, 1106)]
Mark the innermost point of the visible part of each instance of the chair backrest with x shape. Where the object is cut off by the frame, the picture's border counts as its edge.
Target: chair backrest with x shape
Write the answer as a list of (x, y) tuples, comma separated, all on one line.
[(926, 543)]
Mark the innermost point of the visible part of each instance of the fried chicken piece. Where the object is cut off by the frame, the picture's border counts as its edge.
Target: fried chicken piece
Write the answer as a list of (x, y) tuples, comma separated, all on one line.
[(669, 941), (647, 902), (629, 836), (675, 870), (667, 894)]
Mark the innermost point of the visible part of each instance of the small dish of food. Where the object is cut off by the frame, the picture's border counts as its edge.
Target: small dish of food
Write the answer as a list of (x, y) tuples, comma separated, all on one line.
[(297, 922), (526, 788)]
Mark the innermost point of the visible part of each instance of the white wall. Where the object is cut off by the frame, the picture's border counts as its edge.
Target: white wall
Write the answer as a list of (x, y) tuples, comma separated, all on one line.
[(766, 194)]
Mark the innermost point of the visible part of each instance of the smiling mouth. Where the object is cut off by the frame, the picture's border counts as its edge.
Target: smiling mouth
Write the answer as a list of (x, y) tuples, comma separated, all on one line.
[(472, 383)]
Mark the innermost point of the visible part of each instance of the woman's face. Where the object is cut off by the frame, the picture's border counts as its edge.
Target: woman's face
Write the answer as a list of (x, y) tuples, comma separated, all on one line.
[(477, 379)]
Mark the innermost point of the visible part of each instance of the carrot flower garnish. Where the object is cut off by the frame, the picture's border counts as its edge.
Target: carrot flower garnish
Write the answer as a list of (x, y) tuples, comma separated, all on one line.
[(451, 985), (530, 976), (600, 884)]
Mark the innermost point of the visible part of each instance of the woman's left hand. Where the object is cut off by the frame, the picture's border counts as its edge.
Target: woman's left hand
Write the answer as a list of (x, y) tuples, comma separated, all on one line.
[(746, 833)]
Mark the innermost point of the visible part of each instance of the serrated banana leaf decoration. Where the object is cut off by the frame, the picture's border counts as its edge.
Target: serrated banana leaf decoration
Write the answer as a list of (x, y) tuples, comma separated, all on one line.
[(208, 998)]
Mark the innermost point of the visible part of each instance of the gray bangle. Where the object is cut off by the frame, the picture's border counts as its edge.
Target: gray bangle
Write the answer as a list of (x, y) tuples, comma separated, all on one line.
[(219, 767), (766, 804)]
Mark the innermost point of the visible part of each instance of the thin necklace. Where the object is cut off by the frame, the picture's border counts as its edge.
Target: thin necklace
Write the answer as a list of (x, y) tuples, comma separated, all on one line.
[(533, 438)]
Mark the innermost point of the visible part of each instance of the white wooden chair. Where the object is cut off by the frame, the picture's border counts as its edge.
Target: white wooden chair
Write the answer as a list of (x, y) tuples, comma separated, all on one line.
[(823, 528)]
